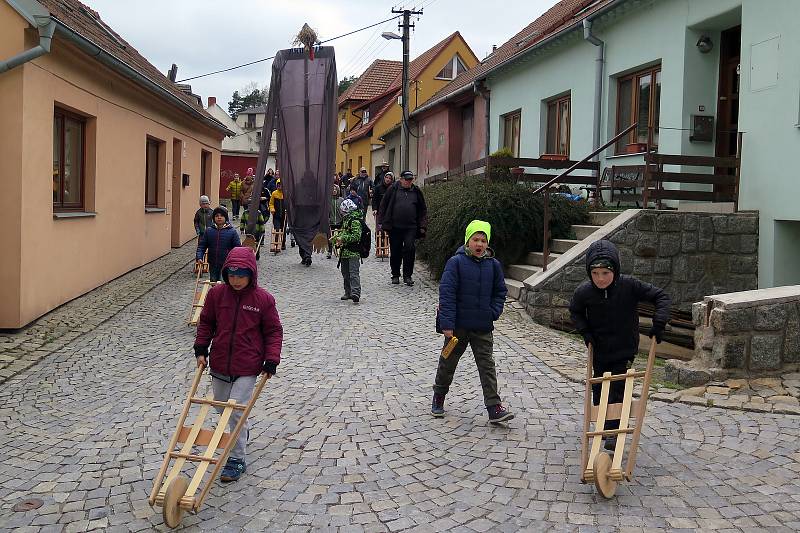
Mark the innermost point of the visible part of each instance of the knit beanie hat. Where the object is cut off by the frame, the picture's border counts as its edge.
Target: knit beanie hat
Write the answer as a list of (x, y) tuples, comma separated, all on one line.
[(220, 211), (478, 226), (602, 262)]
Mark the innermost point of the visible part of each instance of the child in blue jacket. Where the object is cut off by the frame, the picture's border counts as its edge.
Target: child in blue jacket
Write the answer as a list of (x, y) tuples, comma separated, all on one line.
[(472, 293), (219, 239)]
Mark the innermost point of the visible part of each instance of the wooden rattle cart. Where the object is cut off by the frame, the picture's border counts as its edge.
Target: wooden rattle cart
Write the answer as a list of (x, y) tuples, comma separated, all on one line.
[(597, 466), (201, 268), (177, 493), (201, 289), (278, 238), (381, 244)]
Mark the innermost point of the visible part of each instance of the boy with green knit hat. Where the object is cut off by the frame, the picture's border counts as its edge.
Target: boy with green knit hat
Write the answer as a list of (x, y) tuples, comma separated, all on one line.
[(472, 293)]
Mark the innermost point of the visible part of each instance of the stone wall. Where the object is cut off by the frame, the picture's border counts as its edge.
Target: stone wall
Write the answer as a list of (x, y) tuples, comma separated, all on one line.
[(690, 255), (743, 334)]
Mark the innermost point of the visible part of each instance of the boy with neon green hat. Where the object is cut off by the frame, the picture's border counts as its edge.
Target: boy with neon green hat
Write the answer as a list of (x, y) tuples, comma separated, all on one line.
[(472, 293)]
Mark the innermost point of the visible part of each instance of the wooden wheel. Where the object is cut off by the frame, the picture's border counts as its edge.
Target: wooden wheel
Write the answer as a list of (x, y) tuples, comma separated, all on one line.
[(171, 509), (605, 485)]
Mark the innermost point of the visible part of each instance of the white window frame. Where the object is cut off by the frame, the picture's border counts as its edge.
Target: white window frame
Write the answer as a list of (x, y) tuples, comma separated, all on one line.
[(454, 65)]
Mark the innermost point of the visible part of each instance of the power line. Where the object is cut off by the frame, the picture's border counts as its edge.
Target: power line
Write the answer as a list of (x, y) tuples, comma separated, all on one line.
[(273, 57)]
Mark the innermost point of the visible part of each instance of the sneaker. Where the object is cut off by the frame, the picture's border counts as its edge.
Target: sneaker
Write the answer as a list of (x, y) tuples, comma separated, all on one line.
[(498, 413), (328, 256), (395, 280), (356, 299), (233, 470), (345, 297), (408, 281), (437, 405), (611, 443)]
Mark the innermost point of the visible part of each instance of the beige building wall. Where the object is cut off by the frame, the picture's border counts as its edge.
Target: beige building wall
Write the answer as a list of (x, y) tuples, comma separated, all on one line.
[(53, 260), (12, 42)]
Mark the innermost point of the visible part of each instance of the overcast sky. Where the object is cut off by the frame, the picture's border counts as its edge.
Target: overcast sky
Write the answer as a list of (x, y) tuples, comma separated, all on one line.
[(202, 36)]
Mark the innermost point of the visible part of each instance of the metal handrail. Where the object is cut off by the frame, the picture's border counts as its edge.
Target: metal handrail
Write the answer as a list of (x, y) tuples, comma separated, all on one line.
[(546, 189), (587, 158)]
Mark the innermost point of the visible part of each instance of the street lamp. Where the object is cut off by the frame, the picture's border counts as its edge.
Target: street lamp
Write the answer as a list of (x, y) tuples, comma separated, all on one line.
[(389, 35)]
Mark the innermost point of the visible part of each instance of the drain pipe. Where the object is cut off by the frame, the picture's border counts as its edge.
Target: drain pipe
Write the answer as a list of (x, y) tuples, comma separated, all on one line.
[(46, 27), (598, 82)]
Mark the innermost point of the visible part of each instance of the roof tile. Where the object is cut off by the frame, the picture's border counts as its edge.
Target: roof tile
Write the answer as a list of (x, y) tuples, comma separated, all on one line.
[(374, 81)]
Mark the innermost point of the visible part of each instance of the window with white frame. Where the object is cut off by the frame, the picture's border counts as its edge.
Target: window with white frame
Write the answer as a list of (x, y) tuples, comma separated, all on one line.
[(365, 117), (453, 68)]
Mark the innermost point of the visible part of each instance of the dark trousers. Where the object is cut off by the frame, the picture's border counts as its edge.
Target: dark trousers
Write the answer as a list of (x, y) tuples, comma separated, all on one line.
[(617, 389), (402, 250), (215, 272), (482, 343), (235, 208)]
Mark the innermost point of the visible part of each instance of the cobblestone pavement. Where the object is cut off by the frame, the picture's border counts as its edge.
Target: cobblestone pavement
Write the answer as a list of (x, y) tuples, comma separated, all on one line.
[(342, 437)]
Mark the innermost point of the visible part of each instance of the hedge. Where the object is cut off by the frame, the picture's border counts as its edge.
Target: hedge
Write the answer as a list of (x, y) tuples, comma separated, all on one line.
[(512, 209)]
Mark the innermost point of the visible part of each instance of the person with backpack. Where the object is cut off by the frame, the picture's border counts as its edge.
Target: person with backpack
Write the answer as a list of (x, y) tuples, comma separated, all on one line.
[(349, 243), (404, 215)]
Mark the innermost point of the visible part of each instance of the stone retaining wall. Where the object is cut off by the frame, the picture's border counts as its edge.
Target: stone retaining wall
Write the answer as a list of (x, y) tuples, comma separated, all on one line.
[(743, 334), (690, 255)]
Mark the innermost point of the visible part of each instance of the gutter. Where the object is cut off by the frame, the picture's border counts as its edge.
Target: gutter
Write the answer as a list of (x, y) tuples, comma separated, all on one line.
[(123, 68), (38, 17), (598, 81)]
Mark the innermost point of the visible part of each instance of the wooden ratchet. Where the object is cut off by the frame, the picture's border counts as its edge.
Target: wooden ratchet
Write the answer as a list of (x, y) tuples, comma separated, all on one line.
[(449, 347)]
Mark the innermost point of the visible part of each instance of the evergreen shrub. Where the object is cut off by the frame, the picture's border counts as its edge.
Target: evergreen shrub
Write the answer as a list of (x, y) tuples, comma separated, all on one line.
[(513, 211)]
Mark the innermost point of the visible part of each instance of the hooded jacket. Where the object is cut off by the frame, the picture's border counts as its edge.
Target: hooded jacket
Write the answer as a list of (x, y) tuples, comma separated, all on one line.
[(247, 190), (608, 317), (350, 235), (244, 325), (203, 218), (472, 292), (218, 241)]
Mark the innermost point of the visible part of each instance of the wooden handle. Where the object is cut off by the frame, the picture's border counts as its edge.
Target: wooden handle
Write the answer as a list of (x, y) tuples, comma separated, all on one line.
[(449, 347)]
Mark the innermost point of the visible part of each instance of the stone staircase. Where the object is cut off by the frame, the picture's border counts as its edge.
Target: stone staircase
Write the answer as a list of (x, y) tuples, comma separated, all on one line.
[(517, 274)]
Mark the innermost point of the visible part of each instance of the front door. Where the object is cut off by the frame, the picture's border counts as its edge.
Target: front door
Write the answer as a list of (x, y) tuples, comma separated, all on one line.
[(728, 105)]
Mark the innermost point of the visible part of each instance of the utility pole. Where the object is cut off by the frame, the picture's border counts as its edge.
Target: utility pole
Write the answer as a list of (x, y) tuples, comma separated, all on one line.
[(405, 25)]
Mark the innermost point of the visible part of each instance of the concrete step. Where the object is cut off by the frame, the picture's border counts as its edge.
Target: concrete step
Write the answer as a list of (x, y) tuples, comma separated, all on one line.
[(562, 245), (521, 272), (601, 218), (581, 232), (537, 258), (514, 287)]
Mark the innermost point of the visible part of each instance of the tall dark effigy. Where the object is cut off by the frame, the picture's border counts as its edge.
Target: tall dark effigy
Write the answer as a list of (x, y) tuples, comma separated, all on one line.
[(301, 108)]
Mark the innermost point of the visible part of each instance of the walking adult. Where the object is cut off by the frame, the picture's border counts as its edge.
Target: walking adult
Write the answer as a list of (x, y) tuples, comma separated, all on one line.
[(247, 189), (404, 215), (363, 185), (235, 188), (378, 192), (382, 172)]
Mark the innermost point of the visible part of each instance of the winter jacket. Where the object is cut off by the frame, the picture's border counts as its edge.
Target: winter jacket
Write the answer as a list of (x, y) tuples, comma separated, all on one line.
[(244, 325), (271, 185), (334, 215), (350, 235), (385, 213), (276, 205), (202, 219), (363, 186), (235, 188), (247, 190), (608, 318), (260, 223), (218, 242), (472, 292), (378, 193)]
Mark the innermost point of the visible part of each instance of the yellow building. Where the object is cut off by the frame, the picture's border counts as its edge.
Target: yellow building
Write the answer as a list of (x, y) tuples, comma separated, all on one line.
[(371, 106), (103, 158)]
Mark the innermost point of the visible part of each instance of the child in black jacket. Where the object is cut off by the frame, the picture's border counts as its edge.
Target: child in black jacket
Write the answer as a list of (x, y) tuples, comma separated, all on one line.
[(604, 311)]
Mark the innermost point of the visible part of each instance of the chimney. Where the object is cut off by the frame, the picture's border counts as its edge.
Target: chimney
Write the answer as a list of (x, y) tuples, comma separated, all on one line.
[(494, 48), (212, 100)]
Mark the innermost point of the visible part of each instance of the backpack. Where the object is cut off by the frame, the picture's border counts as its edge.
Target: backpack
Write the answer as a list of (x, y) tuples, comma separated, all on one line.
[(364, 244)]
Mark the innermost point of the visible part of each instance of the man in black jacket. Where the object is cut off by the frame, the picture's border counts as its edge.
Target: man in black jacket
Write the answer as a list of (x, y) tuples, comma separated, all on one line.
[(604, 310), (404, 215)]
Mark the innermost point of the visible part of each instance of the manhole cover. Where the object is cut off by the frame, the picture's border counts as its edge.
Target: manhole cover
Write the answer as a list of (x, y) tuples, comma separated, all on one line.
[(28, 505)]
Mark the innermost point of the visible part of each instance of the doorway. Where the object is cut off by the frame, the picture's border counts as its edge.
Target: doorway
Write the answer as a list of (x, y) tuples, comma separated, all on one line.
[(728, 100), (177, 152)]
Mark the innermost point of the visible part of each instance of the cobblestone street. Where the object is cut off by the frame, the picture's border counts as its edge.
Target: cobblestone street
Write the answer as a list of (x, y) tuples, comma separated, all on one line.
[(342, 437)]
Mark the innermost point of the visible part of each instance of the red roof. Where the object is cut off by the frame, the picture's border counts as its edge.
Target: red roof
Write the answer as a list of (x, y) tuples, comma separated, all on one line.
[(374, 81), (562, 15), (415, 68), (87, 23)]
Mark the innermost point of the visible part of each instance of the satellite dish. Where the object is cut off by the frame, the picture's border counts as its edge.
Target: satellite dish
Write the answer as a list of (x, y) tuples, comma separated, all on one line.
[(342, 125)]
